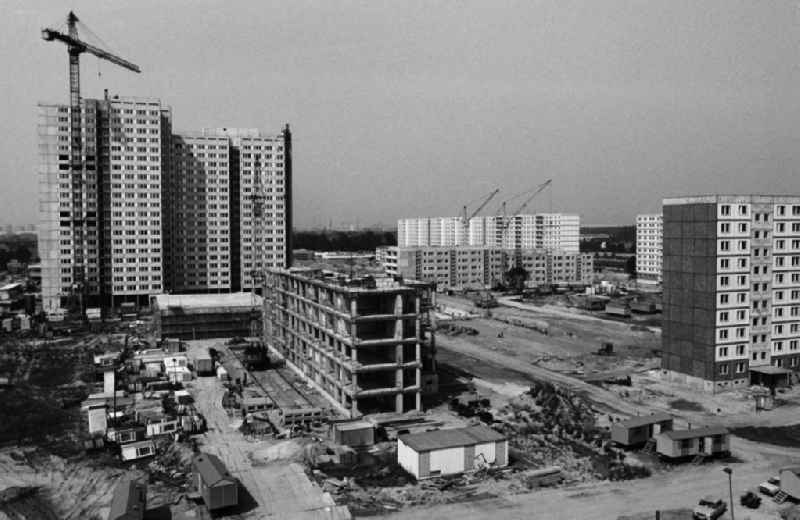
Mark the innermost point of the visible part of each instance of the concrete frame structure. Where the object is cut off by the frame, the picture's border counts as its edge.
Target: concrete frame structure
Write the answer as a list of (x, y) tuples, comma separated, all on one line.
[(649, 239), (548, 231), (367, 344), (731, 287), (483, 267)]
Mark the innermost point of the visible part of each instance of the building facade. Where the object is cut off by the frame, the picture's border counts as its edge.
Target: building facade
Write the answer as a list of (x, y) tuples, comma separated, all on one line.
[(554, 231), (128, 209), (731, 282), (100, 174), (484, 267), (367, 345), (649, 237)]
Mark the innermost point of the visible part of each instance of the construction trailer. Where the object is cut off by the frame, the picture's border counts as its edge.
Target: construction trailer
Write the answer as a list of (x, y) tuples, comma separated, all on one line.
[(214, 483), (204, 364), (129, 501), (97, 415), (708, 441), (161, 426), (204, 316), (366, 343), (618, 309), (137, 450), (126, 435), (636, 431), (353, 433), (448, 452)]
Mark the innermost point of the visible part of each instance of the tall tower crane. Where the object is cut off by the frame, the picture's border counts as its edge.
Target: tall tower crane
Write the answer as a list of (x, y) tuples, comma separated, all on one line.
[(466, 217), (75, 47)]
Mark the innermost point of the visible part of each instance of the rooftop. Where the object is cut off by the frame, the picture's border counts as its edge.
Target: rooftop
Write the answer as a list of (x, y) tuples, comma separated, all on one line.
[(733, 199), (129, 496), (643, 420), (341, 282), (211, 469), (353, 425), (707, 431), (442, 439), (205, 301)]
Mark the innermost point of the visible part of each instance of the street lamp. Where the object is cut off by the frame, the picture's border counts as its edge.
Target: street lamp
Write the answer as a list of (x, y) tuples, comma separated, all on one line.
[(729, 471)]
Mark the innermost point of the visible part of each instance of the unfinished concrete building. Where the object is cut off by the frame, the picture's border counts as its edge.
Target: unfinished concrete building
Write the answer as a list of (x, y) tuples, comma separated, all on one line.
[(368, 343), (202, 316)]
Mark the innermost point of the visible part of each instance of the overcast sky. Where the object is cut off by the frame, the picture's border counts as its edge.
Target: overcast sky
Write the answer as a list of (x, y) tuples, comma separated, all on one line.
[(410, 108)]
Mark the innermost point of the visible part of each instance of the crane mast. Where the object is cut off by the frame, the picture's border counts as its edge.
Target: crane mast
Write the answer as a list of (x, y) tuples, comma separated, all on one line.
[(78, 171)]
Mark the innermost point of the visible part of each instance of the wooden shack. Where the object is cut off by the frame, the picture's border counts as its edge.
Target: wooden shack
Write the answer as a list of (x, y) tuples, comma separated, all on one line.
[(638, 430), (708, 441), (215, 484)]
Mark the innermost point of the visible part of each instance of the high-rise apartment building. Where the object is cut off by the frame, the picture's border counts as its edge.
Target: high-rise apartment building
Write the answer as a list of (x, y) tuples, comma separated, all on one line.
[(554, 231), (648, 248), (731, 288), (100, 174), (228, 201), (128, 209)]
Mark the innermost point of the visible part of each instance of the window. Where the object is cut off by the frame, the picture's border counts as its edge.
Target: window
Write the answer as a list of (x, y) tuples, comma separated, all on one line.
[(723, 371)]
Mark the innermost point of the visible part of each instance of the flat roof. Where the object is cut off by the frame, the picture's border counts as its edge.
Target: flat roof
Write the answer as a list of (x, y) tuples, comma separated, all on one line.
[(442, 439), (732, 199), (203, 301), (643, 420), (707, 431), (353, 425)]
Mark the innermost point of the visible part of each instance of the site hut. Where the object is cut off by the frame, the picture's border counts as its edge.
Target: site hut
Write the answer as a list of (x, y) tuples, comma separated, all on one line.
[(203, 364), (218, 488), (707, 441), (638, 430), (161, 426), (97, 415), (137, 450), (790, 481), (176, 367), (204, 316), (126, 435), (129, 501), (448, 452), (353, 433)]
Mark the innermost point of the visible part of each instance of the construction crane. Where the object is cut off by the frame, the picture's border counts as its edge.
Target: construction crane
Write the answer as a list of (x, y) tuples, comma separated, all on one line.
[(536, 191), (75, 47), (486, 201)]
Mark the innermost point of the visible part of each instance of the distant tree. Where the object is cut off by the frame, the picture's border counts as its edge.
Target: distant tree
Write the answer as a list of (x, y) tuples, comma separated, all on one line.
[(516, 277)]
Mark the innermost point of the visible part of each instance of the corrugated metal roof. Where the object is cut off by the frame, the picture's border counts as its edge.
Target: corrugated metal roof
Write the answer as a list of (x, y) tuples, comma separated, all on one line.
[(129, 496), (677, 435), (442, 439), (211, 469), (643, 420)]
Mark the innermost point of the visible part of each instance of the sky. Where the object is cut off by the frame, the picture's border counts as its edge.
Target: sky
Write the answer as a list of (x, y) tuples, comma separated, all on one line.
[(414, 108)]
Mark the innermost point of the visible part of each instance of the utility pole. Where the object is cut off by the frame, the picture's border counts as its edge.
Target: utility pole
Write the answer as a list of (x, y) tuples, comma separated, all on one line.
[(729, 471)]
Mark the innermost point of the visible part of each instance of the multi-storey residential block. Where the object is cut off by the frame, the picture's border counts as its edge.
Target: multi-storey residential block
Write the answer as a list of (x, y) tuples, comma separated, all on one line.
[(648, 248), (731, 288), (482, 267), (367, 344), (100, 201), (128, 210), (540, 231)]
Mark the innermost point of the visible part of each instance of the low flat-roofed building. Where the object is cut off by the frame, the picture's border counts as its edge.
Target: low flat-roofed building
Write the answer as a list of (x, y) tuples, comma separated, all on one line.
[(203, 316), (447, 452), (638, 430), (707, 441), (215, 484)]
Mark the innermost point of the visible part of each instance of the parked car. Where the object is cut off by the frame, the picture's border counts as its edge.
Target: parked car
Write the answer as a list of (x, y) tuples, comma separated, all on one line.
[(709, 508), (771, 487), (750, 500)]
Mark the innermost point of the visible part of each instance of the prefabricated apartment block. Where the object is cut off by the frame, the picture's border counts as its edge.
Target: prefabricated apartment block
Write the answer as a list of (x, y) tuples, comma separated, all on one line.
[(447, 452), (731, 283), (367, 344), (649, 254), (482, 267)]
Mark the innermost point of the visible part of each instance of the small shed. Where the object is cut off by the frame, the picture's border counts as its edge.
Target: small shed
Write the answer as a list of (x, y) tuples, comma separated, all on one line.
[(448, 452), (638, 430), (138, 450), (707, 441), (126, 435), (98, 418), (353, 433), (162, 426), (790, 481), (129, 501), (217, 487)]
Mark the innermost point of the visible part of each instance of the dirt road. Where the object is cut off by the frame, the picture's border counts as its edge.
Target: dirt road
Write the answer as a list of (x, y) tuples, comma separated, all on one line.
[(279, 489)]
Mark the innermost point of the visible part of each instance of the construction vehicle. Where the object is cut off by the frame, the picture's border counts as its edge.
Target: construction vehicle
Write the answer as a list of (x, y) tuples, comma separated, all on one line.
[(709, 508), (606, 349), (78, 210)]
